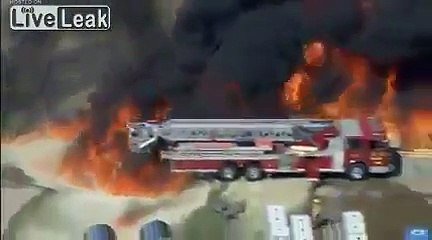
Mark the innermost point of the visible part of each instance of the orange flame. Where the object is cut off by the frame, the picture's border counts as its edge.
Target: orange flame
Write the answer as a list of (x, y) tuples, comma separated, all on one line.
[(66, 130), (418, 129), (292, 91), (104, 165), (314, 54), (297, 84), (296, 95), (348, 107)]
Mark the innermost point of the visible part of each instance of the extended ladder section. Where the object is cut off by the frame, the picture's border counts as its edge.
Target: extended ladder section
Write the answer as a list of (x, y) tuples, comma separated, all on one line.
[(142, 134), (237, 129), (226, 147), (353, 226), (169, 155), (217, 151)]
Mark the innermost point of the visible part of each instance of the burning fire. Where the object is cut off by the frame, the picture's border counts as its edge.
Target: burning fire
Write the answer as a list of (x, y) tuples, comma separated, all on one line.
[(418, 129), (314, 54), (292, 91), (297, 94), (297, 84), (107, 165)]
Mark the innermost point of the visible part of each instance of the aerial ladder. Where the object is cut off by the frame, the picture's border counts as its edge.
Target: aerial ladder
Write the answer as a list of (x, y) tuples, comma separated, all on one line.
[(240, 131)]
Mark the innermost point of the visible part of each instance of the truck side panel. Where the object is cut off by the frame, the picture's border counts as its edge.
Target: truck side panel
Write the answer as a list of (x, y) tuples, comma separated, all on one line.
[(206, 165), (321, 162)]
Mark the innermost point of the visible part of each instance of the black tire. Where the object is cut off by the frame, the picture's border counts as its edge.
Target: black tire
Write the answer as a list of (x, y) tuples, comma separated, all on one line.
[(357, 172), (395, 164), (253, 173), (228, 172)]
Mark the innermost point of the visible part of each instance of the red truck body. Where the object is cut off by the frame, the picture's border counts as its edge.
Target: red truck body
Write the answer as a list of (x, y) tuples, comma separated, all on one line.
[(230, 148)]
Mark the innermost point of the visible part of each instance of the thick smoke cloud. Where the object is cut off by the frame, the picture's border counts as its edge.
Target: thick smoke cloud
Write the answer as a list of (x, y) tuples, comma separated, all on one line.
[(243, 48), (258, 47), (413, 84), (395, 30), (258, 55), (254, 44), (44, 69)]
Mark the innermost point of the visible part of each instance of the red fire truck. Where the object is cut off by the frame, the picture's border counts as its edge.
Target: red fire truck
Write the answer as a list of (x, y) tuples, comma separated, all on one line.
[(258, 147)]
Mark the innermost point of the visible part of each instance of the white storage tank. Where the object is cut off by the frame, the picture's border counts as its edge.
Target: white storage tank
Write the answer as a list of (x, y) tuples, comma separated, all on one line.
[(353, 226), (277, 223), (301, 227)]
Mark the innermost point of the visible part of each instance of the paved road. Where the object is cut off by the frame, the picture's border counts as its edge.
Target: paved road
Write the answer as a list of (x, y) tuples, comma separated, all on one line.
[(388, 206)]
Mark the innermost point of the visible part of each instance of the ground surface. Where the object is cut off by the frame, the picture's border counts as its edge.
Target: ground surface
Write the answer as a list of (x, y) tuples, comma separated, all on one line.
[(389, 205)]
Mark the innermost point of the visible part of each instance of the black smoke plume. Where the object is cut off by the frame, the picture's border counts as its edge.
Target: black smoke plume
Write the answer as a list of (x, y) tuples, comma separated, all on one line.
[(258, 44), (224, 58)]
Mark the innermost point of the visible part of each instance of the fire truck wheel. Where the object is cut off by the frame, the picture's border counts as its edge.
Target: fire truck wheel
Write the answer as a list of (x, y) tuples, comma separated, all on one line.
[(228, 172), (357, 172), (395, 164), (253, 173)]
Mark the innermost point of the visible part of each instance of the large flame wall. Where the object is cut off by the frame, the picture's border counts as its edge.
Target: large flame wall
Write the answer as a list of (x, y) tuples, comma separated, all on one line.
[(365, 93)]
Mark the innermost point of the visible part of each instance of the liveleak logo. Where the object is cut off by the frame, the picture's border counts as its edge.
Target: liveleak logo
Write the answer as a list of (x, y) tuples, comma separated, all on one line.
[(62, 17)]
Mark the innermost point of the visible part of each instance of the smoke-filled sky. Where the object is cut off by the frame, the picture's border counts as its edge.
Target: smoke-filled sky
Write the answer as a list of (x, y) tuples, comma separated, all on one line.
[(259, 44), (247, 48)]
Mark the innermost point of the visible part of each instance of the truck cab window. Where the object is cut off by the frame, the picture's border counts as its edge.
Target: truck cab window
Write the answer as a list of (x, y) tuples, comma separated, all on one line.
[(377, 144), (354, 143)]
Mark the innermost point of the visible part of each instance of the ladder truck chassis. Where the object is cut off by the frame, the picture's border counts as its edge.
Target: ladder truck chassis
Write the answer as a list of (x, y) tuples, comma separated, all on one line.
[(256, 148)]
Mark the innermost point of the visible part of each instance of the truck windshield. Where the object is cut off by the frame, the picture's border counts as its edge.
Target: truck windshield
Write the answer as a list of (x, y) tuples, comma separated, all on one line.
[(377, 144), (354, 143)]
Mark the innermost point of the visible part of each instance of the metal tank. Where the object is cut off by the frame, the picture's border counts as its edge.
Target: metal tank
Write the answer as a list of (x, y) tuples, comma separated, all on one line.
[(100, 232), (155, 230)]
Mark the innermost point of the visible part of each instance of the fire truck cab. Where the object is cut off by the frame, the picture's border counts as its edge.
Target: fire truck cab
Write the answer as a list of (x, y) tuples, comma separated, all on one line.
[(359, 148), (258, 147)]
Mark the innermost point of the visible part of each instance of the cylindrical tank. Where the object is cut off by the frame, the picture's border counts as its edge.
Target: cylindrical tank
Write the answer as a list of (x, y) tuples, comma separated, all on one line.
[(156, 230), (100, 232)]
